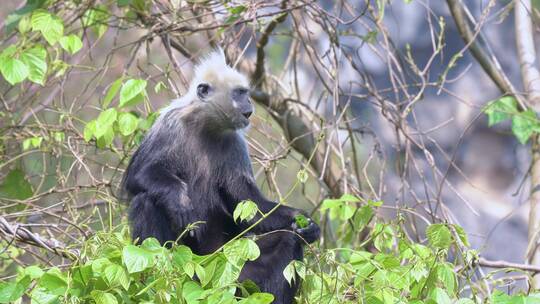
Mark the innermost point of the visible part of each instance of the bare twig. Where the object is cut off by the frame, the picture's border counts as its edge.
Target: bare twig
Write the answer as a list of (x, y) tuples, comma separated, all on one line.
[(505, 264), (21, 234)]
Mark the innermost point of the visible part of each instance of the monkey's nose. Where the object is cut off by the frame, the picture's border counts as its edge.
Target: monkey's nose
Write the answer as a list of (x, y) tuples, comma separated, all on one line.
[(247, 114)]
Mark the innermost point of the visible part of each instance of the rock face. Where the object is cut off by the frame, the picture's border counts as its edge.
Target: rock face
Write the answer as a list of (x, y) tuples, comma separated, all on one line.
[(492, 163)]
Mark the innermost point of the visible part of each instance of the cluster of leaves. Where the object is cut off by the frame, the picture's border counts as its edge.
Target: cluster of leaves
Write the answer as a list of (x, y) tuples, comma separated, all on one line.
[(396, 270), (524, 123), (117, 120), (28, 58), (113, 270)]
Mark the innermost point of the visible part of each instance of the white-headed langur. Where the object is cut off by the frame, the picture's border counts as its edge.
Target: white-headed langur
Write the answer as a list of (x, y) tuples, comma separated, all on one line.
[(194, 166)]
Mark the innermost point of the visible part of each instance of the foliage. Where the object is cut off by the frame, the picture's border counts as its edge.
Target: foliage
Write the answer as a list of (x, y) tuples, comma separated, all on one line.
[(395, 270), (112, 270), (524, 123)]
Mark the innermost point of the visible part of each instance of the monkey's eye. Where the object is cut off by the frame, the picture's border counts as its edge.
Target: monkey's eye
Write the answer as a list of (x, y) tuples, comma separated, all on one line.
[(242, 91), (203, 90), (240, 95)]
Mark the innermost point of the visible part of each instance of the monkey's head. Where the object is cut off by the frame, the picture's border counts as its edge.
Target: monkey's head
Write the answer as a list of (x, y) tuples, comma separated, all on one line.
[(221, 93)]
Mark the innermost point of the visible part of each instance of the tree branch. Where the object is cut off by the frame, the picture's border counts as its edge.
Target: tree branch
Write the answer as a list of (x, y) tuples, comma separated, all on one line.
[(531, 83), (527, 52), (490, 65), (21, 234), (504, 264), (258, 75)]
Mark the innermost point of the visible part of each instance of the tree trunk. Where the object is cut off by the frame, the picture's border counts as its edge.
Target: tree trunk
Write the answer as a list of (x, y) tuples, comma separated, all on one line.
[(531, 84)]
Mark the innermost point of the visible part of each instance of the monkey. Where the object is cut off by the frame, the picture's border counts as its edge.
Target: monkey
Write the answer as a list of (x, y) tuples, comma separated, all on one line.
[(193, 166)]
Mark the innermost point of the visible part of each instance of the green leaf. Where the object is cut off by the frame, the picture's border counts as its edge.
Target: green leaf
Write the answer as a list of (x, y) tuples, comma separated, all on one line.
[(102, 297), (106, 139), (191, 292), (384, 237), (201, 274), (209, 272), (258, 298), (237, 9), (8, 52), (36, 141), (289, 273), (523, 125), (97, 19), (419, 272), (375, 203), (15, 186), (71, 43), (54, 281), (35, 60), (349, 198), (98, 265), (301, 221), (27, 143), (22, 13), (229, 274), (440, 296), (462, 235), (13, 70), (113, 90), (342, 208), (34, 272), (439, 236), (241, 250), (42, 296), (50, 26), (499, 297), (294, 268), (127, 123), (136, 259), (58, 136), (24, 25), (131, 90), (11, 291), (445, 273), (82, 274), (89, 130), (363, 216), (116, 275), (501, 110), (146, 124), (182, 255), (105, 121), (245, 211), (152, 245)]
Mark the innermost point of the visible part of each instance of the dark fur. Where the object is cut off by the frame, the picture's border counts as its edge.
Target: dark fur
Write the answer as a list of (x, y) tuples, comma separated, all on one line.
[(190, 168)]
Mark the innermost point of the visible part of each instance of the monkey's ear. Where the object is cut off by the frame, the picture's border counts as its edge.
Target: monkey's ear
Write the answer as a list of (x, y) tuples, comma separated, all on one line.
[(203, 90)]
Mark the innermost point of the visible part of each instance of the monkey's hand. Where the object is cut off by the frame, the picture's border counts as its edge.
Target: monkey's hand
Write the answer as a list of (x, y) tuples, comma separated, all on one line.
[(309, 232)]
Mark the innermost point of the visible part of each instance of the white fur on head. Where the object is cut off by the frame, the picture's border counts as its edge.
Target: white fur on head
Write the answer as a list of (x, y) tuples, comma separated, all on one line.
[(214, 63)]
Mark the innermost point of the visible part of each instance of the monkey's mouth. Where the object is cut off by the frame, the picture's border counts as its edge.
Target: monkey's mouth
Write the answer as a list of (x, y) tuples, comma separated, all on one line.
[(241, 122)]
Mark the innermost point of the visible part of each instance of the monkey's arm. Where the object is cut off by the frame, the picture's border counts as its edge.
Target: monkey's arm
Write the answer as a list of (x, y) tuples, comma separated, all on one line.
[(166, 190), (244, 188)]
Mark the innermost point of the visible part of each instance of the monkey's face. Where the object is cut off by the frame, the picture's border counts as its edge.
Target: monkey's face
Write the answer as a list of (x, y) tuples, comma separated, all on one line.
[(226, 97)]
